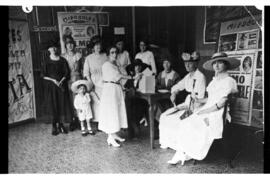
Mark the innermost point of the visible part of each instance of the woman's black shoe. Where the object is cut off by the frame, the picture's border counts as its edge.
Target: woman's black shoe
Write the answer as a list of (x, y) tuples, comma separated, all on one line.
[(84, 133), (55, 131), (72, 126), (62, 129)]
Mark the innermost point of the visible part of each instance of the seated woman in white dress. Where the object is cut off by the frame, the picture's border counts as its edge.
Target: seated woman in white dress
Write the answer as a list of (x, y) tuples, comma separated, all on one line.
[(192, 137)]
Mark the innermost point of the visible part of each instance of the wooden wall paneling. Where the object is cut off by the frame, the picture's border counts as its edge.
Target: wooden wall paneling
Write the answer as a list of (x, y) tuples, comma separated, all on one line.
[(42, 16), (35, 62)]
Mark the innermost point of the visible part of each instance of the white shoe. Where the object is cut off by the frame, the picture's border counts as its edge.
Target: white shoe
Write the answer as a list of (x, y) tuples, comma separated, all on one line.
[(112, 142), (143, 120), (178, 156), (163, 147), (116, 137)]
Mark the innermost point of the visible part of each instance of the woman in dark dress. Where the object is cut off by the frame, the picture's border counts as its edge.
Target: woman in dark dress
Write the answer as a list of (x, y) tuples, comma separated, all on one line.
[(137, 108), (57, 104)]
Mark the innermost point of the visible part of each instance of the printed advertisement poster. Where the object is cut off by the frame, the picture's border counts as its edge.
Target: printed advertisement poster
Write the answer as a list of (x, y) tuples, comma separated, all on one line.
[(257, 119), (20, 74), (227, 42), (248, 40), (80, 33), (243, 77), (81, 26)]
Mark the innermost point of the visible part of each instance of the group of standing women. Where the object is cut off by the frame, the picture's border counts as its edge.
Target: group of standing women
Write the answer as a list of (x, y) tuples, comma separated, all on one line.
[(191, 136), (106, 72)]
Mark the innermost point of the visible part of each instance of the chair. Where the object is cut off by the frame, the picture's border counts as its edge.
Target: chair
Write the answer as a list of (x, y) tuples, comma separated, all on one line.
[(226, 135)]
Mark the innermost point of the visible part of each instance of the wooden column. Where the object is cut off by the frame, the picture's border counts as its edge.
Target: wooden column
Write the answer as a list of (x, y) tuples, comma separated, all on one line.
[(133, 32)]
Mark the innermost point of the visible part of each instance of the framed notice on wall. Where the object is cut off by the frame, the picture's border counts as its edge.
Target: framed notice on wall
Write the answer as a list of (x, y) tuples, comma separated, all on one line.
[(21, 102), (241, 39)]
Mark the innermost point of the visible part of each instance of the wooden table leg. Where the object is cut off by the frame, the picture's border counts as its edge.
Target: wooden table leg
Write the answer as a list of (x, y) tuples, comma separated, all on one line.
[(151, 120)]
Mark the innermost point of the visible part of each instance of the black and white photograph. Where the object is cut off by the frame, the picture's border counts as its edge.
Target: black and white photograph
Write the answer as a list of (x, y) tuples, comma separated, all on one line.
[(248, 40), (111, 89), (247, 64), (227, 42)]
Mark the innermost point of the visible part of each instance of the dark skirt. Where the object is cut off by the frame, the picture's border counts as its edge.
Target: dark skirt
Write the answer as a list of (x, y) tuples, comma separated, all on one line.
[(137, 108), (57, 104), (161, 106)]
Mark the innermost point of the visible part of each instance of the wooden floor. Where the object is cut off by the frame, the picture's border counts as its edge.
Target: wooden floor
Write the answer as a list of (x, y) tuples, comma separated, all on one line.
[(32, 149)]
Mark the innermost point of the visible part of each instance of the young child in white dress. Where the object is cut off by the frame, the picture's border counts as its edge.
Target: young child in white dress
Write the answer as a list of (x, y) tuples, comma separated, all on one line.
[(82, 104)]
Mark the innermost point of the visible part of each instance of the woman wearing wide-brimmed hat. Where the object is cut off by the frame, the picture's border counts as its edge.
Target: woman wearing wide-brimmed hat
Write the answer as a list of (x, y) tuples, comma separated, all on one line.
[(193, 136), (92, 70), (57, 102), (137, 108)]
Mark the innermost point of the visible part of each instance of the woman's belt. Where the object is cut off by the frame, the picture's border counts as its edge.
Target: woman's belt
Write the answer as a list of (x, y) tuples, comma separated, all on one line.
[(112, 82)]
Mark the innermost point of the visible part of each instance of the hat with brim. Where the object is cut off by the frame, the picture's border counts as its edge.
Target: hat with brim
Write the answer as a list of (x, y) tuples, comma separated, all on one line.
[(137, 62), (234, 63), (76, 84)]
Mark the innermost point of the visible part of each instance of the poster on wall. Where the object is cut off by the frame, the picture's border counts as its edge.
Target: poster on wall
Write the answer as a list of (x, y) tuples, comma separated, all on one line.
[(257, 119), (81, 26), (20, 73), (248, 40), (243, 77), (241, 38), (227, 42)]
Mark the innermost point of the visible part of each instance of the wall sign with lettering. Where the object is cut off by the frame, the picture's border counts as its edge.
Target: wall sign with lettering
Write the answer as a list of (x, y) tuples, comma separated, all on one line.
[(44, 29), (20, 74)]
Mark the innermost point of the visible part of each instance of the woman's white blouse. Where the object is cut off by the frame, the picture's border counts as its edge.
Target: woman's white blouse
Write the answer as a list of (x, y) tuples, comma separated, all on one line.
[(148, 58)]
